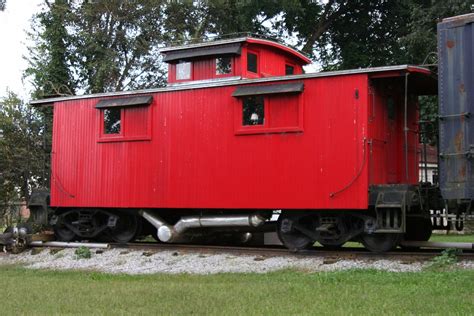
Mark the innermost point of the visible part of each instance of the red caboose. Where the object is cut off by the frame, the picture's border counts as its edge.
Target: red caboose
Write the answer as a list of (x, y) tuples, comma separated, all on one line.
[(240, 131)]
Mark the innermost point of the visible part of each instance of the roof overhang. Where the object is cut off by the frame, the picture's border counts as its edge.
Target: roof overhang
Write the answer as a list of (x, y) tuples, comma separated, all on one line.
[(275, 88), (420, 81), (190, 53), (125, 102)]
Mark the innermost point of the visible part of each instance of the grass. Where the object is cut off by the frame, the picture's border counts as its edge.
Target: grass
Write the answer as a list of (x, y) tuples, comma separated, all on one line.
[(34, 292), (452, 238)]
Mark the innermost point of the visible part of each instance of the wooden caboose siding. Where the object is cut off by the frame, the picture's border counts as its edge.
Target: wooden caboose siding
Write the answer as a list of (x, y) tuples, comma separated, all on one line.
[(195, 158)]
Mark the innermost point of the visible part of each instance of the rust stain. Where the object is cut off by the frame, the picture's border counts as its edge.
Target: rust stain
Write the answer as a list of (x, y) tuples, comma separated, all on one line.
[(458, 141), (450, 43), (462, 88), (462, 172)]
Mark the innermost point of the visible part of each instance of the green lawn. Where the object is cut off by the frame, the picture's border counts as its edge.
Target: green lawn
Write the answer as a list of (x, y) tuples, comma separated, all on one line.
[(453, 238), (33, 292)]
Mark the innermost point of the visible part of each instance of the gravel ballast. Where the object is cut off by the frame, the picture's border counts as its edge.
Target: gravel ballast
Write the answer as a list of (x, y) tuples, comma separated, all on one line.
[(172, 262)]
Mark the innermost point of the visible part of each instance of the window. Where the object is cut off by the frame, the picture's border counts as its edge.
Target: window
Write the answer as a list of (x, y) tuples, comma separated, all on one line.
[(253, 111), (289, 69), (252, 62), (223, 65), (183, 71), (112, 120), (268, 108), (125, 119)]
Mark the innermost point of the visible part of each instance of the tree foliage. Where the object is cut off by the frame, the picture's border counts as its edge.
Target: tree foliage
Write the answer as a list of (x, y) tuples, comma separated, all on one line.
[(89, 47), (50, 60), (116, 44), (420, 39), (22, 154)]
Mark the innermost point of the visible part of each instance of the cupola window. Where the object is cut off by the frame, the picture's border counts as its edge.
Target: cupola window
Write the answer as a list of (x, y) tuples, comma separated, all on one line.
[(223, 65), (252, 62), (289, 69), (183, 71)]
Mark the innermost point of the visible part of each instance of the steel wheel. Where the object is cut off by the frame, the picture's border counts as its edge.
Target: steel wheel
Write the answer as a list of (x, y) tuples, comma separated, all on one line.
[(127, 228), (380, 242), (63, 233), (294, 231), (418, 229), (337, 236), (61, 229)]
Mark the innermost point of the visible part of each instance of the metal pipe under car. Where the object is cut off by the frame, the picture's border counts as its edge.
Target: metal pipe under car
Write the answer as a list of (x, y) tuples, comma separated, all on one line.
[(168, 233)]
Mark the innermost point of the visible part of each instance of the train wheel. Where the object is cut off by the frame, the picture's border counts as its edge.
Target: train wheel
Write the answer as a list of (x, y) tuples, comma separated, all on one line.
[(127, 228), (418, 229), (337, 234), (381, 242), (295, 231), (63, 233), (61, 230)]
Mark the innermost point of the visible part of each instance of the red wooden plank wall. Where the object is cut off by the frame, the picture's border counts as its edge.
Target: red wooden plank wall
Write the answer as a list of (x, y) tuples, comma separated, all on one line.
[(196, 159)]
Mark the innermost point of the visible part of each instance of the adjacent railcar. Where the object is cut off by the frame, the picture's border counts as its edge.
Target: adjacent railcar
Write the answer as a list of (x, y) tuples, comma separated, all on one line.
[(239, 132)]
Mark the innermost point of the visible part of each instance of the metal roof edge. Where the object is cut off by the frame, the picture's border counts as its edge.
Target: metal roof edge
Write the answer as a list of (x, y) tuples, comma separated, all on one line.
[(203, 44), (466, 18), (218, 83)]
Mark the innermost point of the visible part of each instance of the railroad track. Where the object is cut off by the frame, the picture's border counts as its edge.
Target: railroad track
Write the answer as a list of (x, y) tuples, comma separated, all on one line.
[(274, 251)]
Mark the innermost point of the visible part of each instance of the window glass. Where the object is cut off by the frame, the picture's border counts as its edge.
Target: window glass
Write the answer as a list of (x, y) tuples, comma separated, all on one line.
[(112, 121), (183, 71), (252, 62), (253, 111), (223, 65), (289, 70)]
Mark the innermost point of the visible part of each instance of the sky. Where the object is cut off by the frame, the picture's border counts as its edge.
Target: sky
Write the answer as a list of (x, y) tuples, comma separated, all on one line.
[(14, 21)]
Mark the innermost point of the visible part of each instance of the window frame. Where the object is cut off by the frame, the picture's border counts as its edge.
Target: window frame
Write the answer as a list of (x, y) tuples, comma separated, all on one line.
[(240, 129), (122, 136)]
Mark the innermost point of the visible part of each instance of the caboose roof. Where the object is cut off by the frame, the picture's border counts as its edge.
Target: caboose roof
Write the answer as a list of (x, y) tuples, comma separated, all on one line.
[(226, 46), (421, 79)]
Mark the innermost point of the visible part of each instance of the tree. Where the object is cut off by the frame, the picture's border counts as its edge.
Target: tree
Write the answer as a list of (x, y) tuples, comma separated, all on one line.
[(419, 46), (117, 44), (95, 47), (3, 4), (22, 160), (420, 40), (50, 59)]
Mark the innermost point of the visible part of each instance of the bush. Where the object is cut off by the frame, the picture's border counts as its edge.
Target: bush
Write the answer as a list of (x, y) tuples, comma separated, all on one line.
[(83, 253), (447, 258)]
